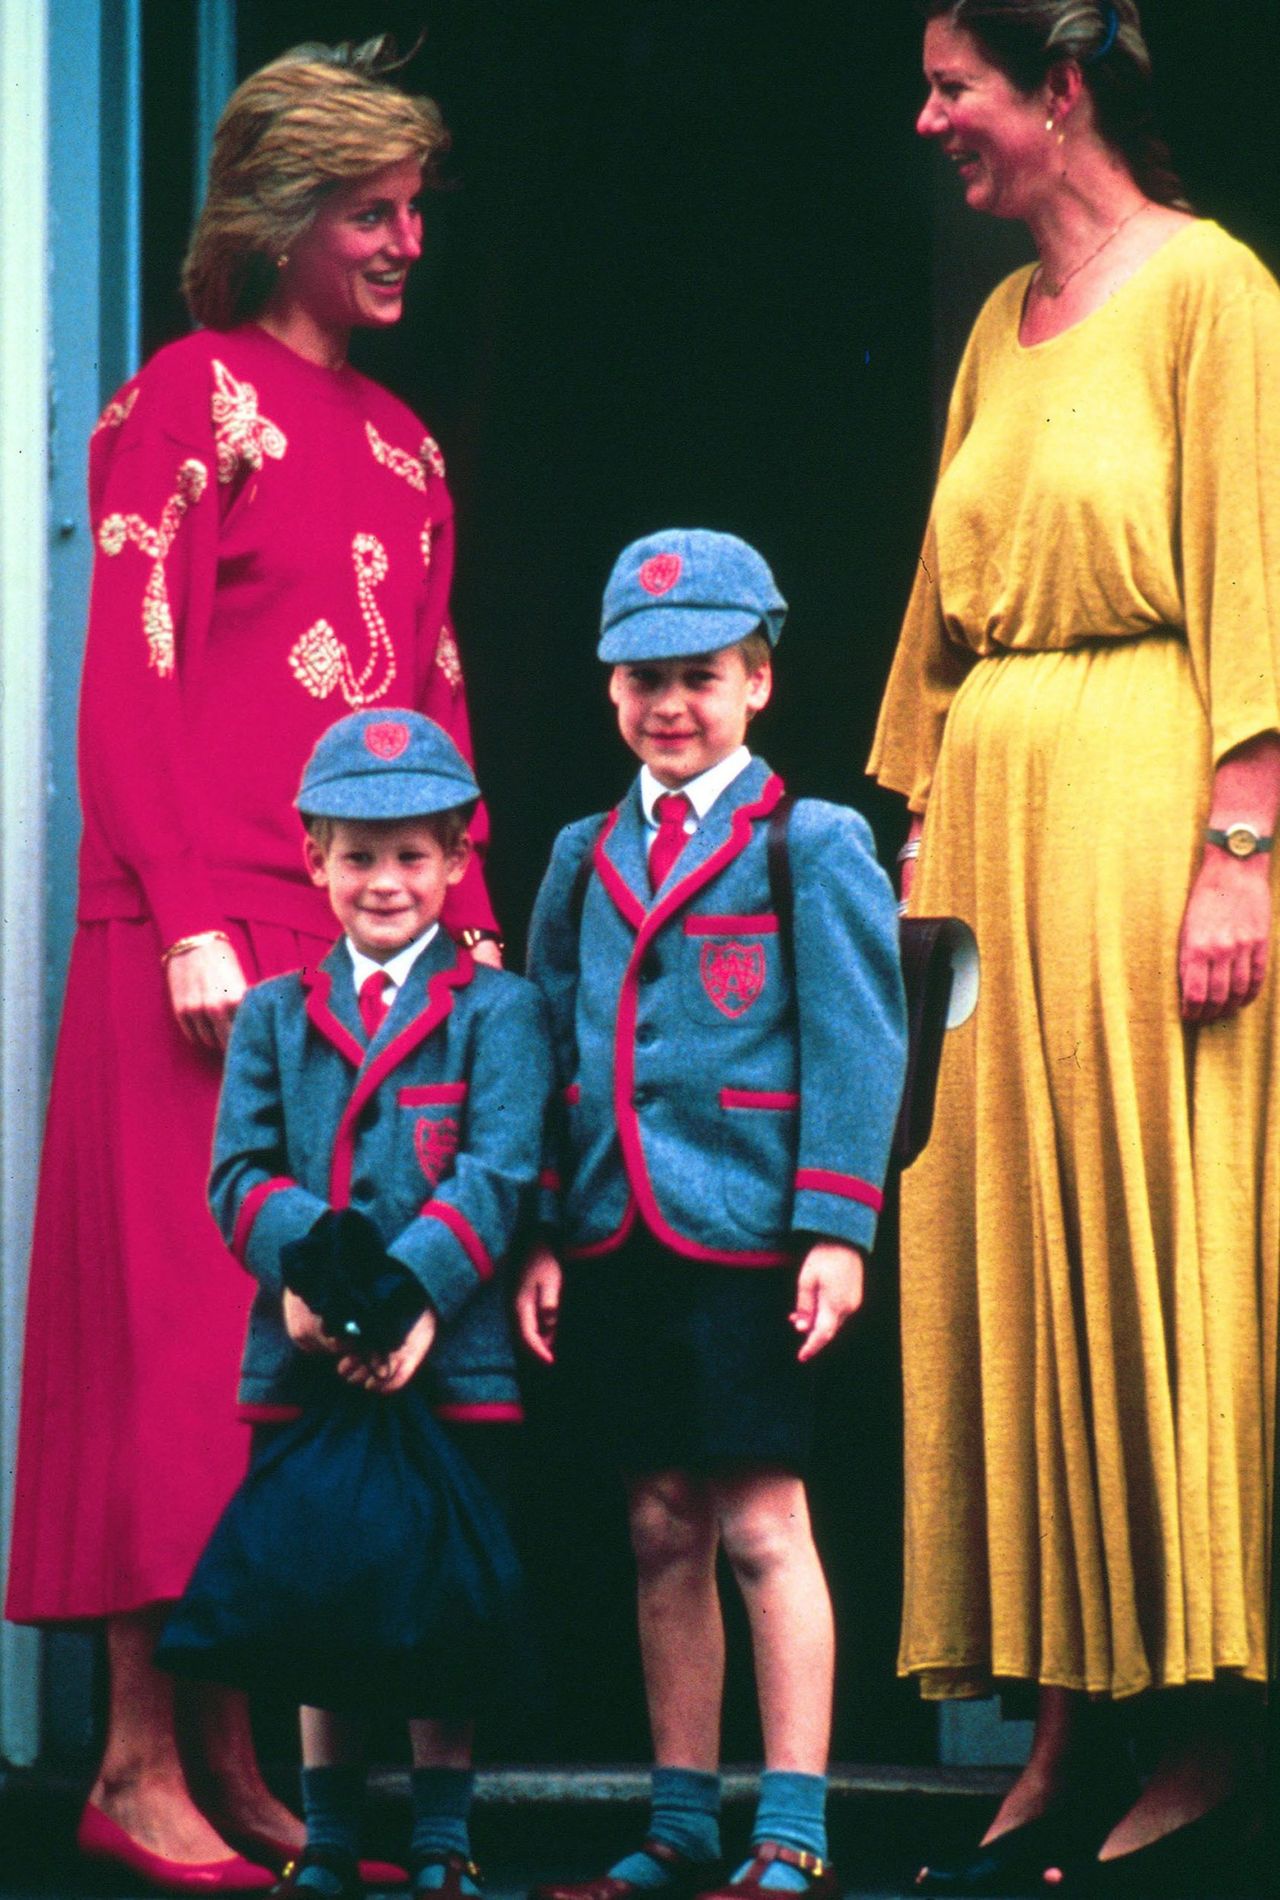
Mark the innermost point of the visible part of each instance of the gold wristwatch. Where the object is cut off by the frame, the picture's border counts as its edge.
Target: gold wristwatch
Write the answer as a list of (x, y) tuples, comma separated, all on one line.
[(1240, 839)]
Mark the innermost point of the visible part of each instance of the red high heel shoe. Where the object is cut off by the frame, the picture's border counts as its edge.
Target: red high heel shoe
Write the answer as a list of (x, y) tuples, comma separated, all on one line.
[(100, 1839)]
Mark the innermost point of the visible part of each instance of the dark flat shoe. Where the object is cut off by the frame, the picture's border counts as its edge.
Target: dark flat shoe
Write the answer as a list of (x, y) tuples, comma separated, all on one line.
[(343, 1867), (450, 1888), (824, 1882), (1015, 1861), (685, 1878)]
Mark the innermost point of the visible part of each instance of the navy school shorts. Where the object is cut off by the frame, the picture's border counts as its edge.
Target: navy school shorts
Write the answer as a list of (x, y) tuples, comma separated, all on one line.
[(667, 1363)]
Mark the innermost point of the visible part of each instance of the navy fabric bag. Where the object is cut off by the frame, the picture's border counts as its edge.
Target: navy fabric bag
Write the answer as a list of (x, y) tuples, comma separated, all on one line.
[(361, 1564)]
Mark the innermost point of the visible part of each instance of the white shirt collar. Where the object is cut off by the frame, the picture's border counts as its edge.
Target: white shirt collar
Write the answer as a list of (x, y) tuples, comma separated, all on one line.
[(701, 792), (396, 968)]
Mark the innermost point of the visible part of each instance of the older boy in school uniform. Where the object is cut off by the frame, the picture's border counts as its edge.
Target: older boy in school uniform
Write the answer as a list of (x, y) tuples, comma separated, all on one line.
[(403, 1080), (730, 1077)]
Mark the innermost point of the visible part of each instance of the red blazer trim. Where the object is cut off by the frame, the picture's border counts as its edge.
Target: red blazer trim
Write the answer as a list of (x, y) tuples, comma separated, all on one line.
[(550, 1178), (611, 1242), (250, 1208), (758, 1098), (250, 1414), (463, 1232), (612, 879), (762, 926), (824, 1181), (573, 1093), (625, 1061), (319, 987), (438, 1004), (482, 1412), (432, 1094)]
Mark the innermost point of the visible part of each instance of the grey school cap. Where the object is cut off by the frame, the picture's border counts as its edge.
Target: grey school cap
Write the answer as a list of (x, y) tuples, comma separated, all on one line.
[(684, 591), (388, 763)]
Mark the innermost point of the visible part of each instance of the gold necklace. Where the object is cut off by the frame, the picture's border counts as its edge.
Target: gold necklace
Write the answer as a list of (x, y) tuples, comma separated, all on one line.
[(1056, 290)]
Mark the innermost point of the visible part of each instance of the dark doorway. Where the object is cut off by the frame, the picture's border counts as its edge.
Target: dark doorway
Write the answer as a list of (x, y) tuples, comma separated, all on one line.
[(681, 279)]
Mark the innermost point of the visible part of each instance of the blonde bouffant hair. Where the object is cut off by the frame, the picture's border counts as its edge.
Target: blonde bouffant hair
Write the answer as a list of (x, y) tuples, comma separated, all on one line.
[(316, 118)]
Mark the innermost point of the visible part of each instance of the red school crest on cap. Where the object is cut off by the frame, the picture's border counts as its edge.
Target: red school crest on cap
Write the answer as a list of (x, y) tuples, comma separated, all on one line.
[(732, 975), (660, 573), (388, 739)]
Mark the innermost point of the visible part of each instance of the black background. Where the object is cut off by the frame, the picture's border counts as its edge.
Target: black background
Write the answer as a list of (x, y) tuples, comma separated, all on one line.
[(695, 269)]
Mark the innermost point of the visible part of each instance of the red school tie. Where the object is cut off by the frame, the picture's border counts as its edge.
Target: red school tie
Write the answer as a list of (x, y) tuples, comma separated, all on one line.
[(672, 809), (373, 1004)]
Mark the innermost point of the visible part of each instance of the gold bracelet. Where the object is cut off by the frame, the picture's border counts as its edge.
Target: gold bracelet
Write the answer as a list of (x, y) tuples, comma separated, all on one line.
[(202, 937)]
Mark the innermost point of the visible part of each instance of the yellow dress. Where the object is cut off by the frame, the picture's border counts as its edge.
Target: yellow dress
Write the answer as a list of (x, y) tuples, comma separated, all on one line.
[(1091, 1242)]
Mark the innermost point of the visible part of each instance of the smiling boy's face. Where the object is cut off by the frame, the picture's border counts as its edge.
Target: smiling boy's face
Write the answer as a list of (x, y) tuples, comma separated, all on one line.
[(683, 716), (386, 881)]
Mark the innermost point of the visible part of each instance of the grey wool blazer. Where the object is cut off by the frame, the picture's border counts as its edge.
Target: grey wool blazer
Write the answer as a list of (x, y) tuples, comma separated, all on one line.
[(433, 1130), (733, 1091)]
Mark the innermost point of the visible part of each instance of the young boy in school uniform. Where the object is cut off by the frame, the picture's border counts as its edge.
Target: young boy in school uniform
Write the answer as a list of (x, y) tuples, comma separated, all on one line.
[(401, 1079), (730, 1065)]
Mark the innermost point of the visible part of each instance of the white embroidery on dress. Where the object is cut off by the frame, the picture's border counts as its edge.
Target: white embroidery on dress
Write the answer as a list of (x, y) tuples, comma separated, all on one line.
[(429, 451), (240, 433), (412, 469), (424, 542), (321, 661), (117, 412), (115, 530), (399, 461), (448, 659)]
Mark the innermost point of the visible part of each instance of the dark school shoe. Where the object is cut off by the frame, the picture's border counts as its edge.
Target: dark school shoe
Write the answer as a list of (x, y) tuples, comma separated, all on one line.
[(344, 1868), (685, 1878), (824, 1882), (450, 1888)]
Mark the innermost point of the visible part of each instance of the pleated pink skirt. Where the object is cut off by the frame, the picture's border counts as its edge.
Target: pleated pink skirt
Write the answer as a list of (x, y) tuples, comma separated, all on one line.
[(129, 1443)]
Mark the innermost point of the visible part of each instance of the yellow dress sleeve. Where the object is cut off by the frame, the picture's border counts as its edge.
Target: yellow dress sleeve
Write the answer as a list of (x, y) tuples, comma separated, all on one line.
[(928, 665), (1230, 512)]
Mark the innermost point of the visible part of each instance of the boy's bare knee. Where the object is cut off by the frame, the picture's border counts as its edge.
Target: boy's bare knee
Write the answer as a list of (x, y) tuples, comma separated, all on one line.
[(763, 1527), (672, 1522)]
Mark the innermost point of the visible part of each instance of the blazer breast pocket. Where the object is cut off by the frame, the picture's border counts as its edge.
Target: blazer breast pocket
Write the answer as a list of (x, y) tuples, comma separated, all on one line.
[(731, 970), (435, 1110)]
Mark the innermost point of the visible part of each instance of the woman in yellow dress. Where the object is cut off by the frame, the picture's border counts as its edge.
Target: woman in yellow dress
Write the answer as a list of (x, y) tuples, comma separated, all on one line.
[(1084, 718)]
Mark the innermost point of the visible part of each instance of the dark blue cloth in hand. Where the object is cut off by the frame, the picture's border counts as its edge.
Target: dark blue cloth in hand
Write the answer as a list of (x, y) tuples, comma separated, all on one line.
[(365, 1300), (360, 1565)]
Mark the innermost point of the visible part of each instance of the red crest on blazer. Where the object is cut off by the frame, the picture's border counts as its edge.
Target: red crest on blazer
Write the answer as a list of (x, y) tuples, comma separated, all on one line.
[(387, 739), (436, 1143), (660, 573), (732, 975)]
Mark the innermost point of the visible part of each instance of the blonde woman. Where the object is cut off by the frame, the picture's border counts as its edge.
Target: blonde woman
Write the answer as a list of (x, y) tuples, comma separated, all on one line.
[(1084, 719), (274, 545)]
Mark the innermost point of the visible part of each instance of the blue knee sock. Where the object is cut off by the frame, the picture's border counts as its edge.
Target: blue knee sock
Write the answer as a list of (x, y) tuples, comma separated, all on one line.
[(332, 1803), (793, 1810), (685, 1813), (441, 1806)]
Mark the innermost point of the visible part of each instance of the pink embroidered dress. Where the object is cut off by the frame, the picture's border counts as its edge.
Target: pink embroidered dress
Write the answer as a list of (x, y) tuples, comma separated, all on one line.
[(274, 549)]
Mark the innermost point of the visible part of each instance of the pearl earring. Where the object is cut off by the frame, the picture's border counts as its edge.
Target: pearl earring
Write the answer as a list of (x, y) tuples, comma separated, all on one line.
[(282, 260), (1048, 124)]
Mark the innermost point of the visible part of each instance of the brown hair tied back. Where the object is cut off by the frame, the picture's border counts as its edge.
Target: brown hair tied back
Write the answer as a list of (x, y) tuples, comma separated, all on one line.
[(1025, 38), (316, 118)]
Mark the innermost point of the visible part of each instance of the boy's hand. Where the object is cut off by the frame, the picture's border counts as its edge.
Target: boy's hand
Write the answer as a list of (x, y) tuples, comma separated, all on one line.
[(305, 1328), (829, 1292), (538, 1303), (396, 1370)]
